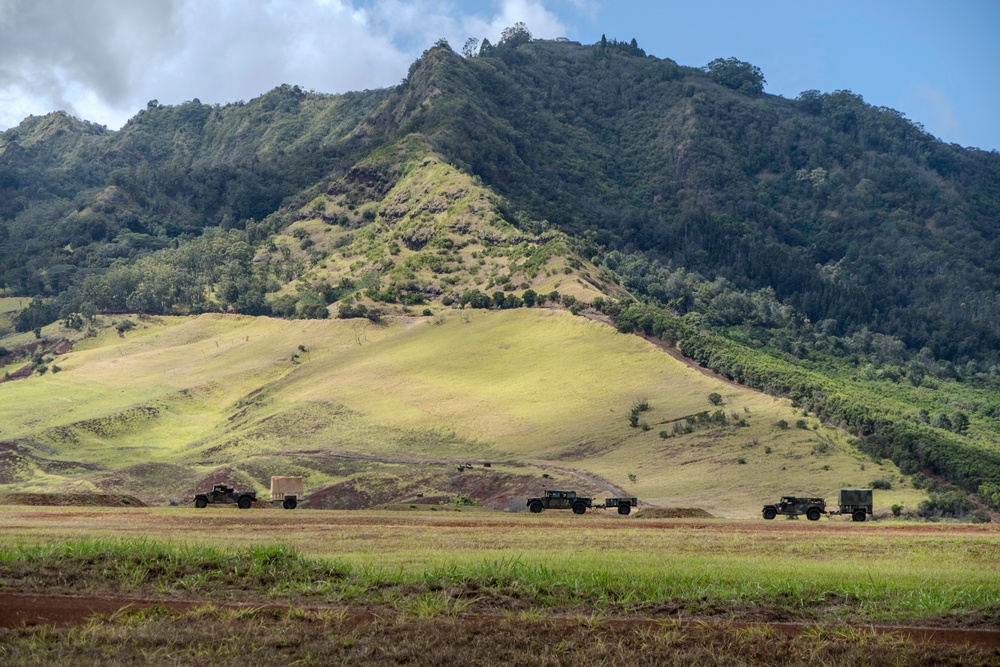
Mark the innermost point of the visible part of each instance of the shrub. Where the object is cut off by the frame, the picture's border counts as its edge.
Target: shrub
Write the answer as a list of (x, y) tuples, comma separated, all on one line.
[(882, 484), (782, 424), (715, 398), (897, 509)]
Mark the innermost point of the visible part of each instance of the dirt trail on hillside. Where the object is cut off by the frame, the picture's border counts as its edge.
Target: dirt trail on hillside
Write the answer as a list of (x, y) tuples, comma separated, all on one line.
[(28, 609)]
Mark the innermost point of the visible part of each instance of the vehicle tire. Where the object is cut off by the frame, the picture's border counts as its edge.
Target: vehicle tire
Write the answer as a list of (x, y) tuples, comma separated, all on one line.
[(624, 509), (245, 503), (200, 502), (813, 514), (290, 503), (770, 513), (536, 506), (860, 515), (579, 508)]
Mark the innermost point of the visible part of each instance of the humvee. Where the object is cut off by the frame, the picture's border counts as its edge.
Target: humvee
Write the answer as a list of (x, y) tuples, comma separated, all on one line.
[(813, 508), (221, 493), (555, 499), (563, 500)]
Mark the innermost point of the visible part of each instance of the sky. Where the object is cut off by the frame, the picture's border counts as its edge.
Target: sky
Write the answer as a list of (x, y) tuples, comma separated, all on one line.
[(103, 60)]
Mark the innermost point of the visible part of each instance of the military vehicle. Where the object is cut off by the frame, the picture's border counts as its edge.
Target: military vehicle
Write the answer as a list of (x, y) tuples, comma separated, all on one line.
[(856, 502), (556, 499), (813, 508), (287, 490), (222, 494), (624, 505)]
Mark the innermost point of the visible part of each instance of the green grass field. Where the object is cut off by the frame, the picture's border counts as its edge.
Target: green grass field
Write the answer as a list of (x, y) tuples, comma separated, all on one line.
[(605, 564), (178, 399)]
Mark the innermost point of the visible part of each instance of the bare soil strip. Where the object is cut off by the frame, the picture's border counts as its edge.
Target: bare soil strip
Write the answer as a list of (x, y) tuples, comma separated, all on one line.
[(27, 609)]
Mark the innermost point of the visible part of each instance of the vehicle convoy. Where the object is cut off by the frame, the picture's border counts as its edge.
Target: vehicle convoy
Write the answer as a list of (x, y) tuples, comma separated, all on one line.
[(856, 502), (287, 490), (223, 494), (556, 499)]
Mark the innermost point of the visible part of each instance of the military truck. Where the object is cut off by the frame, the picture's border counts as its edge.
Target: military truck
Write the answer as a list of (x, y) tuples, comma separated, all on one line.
[(856, 502), (222, 494), (813, 508), (287, 490), (557, 499)]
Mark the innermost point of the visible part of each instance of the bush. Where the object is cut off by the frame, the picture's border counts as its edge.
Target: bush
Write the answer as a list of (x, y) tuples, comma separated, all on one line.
[(897, 509), (715, 398), (881, 484), (953, 504)]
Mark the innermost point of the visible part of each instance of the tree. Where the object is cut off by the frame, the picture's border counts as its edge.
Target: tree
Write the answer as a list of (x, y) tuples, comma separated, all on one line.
[(471, 48), (736, 74), (960, 422), (515, 35)]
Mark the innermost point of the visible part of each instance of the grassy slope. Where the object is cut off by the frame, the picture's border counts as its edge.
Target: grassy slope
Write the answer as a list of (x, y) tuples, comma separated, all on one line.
[(179, 397)]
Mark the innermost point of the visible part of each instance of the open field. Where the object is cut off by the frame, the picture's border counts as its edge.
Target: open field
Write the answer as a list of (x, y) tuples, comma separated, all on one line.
[(478, 587), (752, 570), (178, 402)]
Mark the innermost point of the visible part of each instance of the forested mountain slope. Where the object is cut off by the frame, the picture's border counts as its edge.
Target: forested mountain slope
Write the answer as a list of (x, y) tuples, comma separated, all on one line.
[(852, 214)]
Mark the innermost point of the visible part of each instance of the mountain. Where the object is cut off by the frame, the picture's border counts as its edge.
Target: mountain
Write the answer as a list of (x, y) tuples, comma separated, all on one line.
[(818, 248)]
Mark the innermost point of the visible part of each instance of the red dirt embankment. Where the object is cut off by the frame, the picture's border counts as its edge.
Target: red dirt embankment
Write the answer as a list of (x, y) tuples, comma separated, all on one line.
[(25, 609)]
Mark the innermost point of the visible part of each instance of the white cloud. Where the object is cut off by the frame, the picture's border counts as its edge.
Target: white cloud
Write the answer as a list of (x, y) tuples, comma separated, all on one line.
[(104, 59)]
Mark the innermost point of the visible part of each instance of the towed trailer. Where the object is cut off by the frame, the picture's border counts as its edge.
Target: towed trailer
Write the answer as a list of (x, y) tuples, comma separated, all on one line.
[(287, 490)]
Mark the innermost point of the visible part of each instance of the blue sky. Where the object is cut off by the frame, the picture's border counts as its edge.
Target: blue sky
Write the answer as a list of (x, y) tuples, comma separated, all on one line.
[(937, 62)]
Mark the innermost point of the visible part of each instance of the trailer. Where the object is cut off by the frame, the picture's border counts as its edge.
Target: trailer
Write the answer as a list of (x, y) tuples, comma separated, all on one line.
[(288, 491), (856, 502), (624, 505)]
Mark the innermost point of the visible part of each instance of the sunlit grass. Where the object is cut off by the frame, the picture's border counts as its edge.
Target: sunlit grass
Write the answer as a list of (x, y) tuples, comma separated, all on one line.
[(881, 572), (528, 385), (896, 587)]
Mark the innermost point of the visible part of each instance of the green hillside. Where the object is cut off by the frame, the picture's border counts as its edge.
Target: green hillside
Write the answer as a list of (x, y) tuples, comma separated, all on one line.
[(180, 400)]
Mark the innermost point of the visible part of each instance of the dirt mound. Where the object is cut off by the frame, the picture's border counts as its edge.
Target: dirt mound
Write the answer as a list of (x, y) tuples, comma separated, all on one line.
[(70, 500), (427, 486), (673, 513)]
